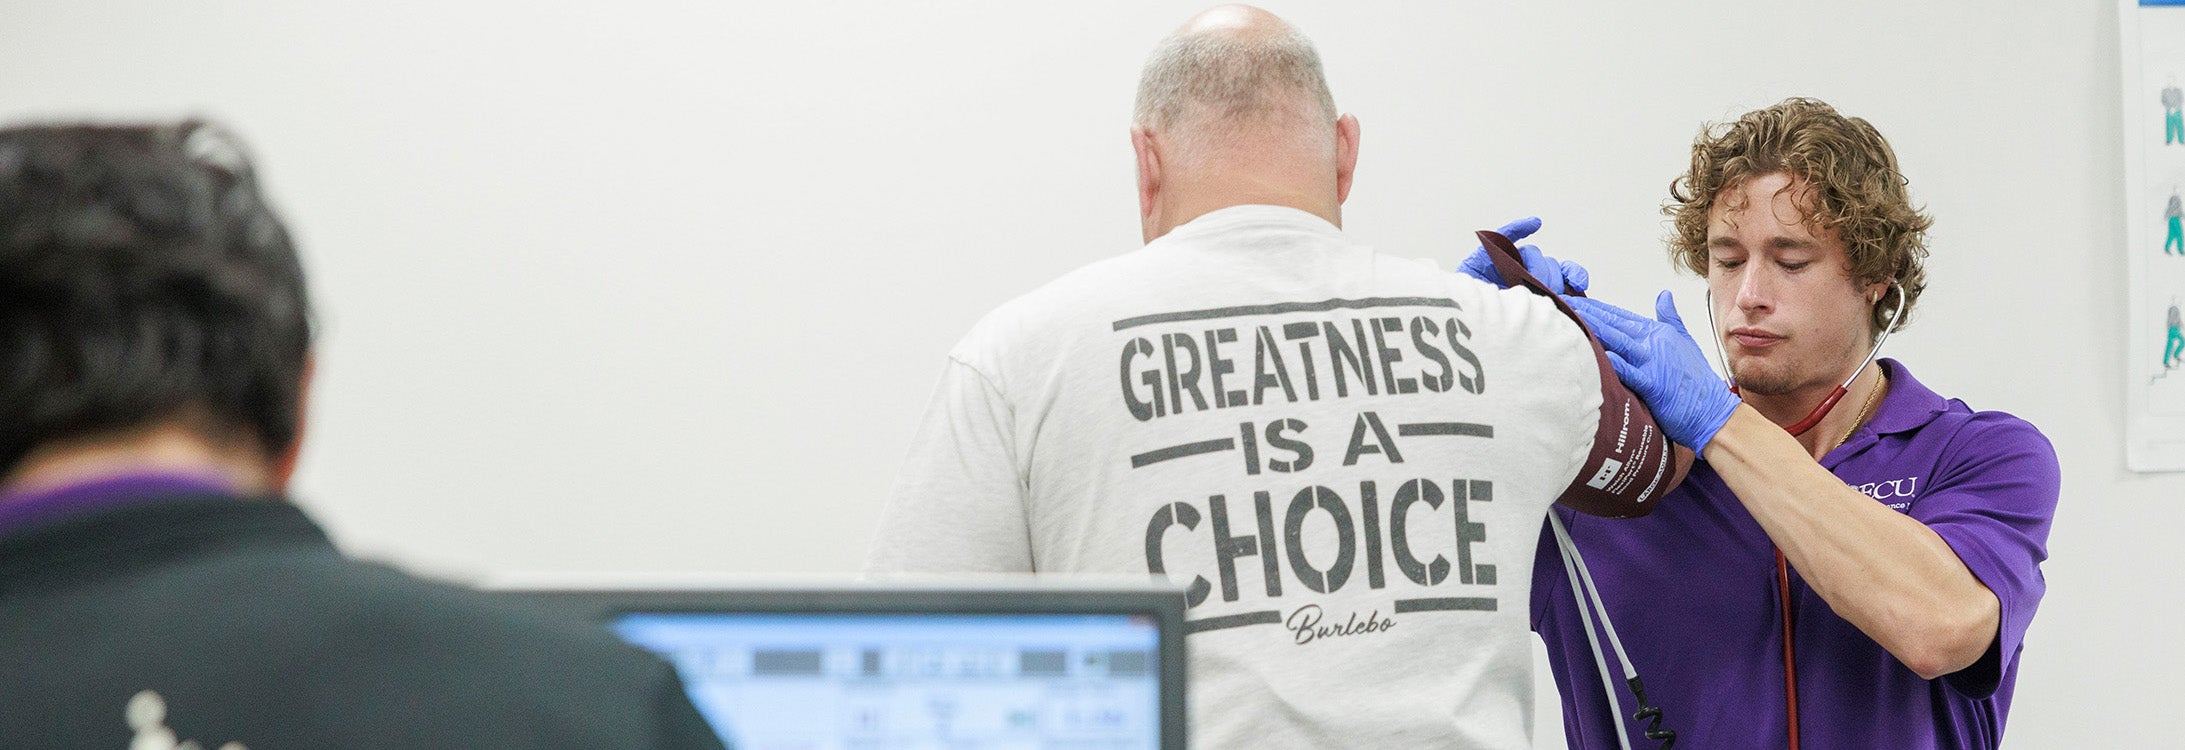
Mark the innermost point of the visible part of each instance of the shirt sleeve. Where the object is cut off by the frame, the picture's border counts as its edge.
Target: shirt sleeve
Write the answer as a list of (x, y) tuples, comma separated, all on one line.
[(1993, 498), (958, 505)]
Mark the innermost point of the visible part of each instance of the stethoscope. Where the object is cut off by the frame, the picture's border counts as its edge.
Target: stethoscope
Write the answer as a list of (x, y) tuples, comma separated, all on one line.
[(1589, 596), (1782, 564)]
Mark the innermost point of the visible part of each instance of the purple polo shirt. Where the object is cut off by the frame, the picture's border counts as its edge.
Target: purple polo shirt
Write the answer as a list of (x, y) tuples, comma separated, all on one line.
[(24, 509), (1692, 591)]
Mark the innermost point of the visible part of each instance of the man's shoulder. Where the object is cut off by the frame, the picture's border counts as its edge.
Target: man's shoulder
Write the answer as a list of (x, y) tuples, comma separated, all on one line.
[(1052, 313), (452, 636), (1955, 434), (1958, 422), (1979, 437), (249, 636), (246, 558), (1097, 283), (1114, 292), (450, 623), (324, 599)]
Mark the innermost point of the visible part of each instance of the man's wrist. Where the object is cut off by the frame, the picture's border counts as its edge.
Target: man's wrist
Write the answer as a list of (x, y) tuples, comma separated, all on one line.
[(1734, 433)]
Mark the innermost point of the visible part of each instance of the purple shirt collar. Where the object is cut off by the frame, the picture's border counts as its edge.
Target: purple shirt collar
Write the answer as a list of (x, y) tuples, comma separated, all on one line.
[(20, 509), (1908, 405)]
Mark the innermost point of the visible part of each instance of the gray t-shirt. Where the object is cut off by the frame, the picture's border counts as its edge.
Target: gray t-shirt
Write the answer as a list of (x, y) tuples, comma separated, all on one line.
[(1346, 456), (2172, 98)]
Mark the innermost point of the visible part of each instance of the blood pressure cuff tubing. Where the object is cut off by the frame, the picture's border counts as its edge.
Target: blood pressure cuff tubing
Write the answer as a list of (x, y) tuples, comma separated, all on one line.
[(1632, 463)]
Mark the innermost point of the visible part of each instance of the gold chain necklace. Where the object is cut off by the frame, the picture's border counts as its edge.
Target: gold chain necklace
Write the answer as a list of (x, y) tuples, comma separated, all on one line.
[(1865, 412)]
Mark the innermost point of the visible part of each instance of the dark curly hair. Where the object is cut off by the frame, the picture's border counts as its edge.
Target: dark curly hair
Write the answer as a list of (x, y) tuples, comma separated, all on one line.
[(142, 277), (1852, 174)]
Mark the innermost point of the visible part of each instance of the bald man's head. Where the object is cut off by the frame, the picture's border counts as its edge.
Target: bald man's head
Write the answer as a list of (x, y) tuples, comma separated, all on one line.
[(1233, 110), (1235, 69)]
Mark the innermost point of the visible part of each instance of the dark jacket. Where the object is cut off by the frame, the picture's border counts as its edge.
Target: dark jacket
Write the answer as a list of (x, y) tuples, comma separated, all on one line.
[(249, 627)]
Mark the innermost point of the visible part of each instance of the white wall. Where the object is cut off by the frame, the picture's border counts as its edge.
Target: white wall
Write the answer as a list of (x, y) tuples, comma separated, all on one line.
[(653, 285)]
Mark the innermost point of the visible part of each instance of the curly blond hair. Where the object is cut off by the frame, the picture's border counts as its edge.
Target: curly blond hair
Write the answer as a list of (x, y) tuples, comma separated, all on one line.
[(1852, 176)]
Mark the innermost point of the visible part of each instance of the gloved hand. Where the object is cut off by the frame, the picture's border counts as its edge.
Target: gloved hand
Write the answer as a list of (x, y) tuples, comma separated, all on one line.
[(1661, 363), (1561, 276)]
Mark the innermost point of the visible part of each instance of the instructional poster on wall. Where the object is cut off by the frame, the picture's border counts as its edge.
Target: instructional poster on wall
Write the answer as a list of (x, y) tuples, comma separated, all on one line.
[(2153, 41)]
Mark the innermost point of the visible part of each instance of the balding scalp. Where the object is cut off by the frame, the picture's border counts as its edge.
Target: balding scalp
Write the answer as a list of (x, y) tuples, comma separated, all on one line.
[(1213, 81)]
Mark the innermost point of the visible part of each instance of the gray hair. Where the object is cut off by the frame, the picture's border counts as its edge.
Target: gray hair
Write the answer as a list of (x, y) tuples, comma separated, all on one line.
[(1234, 79)]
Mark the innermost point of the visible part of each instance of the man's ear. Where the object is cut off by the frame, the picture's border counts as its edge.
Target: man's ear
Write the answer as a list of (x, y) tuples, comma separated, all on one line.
[(1876, 292), (1149, 179), (1346, 155), (284, 463)]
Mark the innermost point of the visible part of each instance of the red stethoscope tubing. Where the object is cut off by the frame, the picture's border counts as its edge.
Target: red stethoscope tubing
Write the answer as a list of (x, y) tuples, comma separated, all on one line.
[(1790, 652), (1782, 575), (1782, 580), (1782, 564)]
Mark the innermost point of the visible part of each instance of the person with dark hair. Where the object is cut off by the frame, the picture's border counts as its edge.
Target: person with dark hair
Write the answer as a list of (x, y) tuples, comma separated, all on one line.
[(156, 589), (1855, 577)]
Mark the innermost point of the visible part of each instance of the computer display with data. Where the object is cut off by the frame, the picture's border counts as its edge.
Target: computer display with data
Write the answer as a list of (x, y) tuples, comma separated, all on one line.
[(1021, 664), (838, 681)]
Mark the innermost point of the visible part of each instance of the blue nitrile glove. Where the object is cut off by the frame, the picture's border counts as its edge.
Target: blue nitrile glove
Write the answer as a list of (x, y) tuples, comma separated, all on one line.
[(1560, 276), (1659, 361)]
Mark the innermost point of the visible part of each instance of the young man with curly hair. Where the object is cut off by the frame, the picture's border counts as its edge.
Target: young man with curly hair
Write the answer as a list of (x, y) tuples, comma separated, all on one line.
[(1862, 583)]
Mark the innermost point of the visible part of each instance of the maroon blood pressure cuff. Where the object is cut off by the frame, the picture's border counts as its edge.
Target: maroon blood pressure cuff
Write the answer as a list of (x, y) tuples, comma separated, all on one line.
[(1632, 463)]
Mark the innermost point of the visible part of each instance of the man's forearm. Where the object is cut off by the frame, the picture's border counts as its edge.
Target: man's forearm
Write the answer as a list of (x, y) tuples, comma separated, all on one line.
[(1889, 575)]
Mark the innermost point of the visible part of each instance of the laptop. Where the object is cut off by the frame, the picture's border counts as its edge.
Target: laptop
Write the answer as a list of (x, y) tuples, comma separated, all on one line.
[(1028, 664)]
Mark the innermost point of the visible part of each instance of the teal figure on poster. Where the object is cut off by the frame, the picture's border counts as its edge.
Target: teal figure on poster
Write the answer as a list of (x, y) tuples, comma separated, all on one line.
[(2174, 215), (2173, 114), (2174, 350)]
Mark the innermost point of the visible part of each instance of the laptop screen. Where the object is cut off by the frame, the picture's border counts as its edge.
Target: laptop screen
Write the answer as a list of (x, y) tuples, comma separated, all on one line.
[(824, 681), (1020, 664)]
